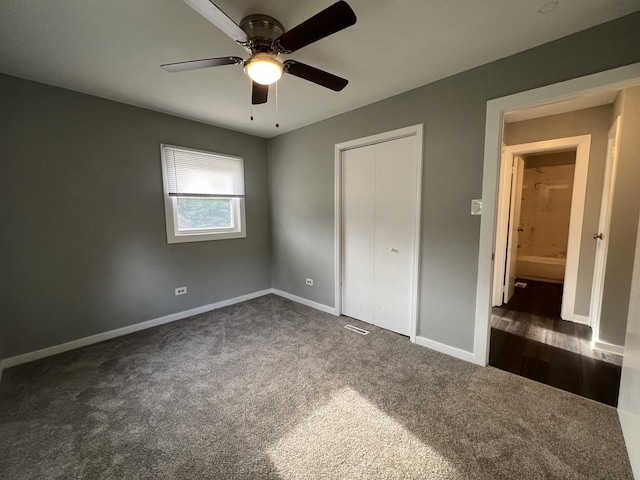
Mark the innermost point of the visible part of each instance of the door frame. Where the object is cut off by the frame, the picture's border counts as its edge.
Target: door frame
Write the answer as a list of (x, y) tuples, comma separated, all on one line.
[(617, 78), (582, 145), (413, 130)]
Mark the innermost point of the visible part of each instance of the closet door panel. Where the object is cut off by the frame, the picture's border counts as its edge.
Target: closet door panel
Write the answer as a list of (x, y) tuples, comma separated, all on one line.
[(394, 218), (358, 180)]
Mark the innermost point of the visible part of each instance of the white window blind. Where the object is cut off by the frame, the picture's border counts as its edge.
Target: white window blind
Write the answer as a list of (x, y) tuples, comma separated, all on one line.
[(191, 173)]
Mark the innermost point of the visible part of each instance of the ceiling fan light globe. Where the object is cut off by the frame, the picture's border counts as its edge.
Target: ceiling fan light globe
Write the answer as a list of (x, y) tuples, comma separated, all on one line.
[(264, 68)]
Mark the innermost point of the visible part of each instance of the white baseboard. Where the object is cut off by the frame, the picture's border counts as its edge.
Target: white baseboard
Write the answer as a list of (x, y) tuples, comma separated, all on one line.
[(118, 332), (584, 319), (609, 348), (442, 348), (304, 301)]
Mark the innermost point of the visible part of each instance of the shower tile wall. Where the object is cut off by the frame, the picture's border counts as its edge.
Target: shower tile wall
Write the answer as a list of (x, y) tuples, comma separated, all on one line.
[(546, 204)]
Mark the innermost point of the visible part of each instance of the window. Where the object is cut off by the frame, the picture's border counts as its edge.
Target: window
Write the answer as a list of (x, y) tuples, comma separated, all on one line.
[(203, 195)]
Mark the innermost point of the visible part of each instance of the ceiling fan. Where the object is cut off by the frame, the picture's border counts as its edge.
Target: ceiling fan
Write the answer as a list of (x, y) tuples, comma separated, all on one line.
[(264, 38)]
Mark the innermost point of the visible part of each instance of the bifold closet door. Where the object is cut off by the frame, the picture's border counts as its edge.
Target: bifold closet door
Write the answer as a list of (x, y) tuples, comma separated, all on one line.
[(378, 223), (358, 202), (394, 219)]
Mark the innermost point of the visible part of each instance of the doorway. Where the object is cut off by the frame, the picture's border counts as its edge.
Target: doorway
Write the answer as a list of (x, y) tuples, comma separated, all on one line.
[(377, 211), (545, 98), (626, 106), (535, 329), (549, 257)]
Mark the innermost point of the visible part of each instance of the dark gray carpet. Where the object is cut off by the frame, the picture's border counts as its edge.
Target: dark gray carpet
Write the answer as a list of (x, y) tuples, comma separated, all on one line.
[(272, 389)]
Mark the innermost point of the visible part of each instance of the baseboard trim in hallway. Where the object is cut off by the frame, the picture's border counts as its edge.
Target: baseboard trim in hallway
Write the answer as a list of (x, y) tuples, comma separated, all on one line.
[(609, 347)]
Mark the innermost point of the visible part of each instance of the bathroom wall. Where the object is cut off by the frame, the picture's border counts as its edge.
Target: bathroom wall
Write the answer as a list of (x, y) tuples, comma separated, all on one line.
[(546, 205)]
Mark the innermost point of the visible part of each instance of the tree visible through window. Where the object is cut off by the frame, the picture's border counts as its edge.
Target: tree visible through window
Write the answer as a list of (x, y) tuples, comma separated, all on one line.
[(199, 213)]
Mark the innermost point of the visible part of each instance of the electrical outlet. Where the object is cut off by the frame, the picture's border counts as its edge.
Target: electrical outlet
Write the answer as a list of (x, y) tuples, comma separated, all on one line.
[(181, 291), (310, 282)]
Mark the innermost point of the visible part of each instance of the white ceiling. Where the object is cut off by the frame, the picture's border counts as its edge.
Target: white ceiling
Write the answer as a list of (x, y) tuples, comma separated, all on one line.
[(114, 48)]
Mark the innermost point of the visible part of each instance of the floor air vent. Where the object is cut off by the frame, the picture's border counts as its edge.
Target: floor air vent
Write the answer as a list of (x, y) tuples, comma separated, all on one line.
[(356, 329)]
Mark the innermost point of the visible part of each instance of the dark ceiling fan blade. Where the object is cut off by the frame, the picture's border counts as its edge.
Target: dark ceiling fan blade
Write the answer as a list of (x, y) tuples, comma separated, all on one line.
[(315, 75), (204, 63), (211, 12), (331, 20), (259, 93)]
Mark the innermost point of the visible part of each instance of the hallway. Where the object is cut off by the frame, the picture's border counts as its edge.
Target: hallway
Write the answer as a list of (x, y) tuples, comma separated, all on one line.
[(529, 338)]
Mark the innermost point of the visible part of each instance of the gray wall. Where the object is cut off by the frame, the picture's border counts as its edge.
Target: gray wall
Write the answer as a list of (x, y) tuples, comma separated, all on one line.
[(83, 244), (595, 121), (453, 112), (622, 239)]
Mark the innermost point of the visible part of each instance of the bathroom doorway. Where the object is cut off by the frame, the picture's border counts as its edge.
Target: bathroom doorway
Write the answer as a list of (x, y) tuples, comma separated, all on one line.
[(540, 217), (545, 211)]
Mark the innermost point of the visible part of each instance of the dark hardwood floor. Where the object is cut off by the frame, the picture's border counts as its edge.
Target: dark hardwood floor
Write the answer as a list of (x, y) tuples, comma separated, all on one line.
[(529, 338)]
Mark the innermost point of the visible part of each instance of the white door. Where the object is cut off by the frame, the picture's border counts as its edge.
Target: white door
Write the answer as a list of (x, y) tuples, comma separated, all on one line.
[(602, 236), (395, 207), (358, 197), (502, 226), (379, 192), (514, 226)]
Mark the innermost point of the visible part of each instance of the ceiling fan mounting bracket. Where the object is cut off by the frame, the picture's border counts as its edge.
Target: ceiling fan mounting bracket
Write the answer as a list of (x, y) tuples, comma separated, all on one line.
[(263, 30)]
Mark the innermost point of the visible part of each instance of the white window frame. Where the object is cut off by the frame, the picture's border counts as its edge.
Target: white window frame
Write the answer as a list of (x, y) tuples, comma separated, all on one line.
[(174, 235)]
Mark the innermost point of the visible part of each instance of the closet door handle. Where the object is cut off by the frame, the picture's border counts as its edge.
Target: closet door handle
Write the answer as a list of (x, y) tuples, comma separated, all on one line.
[(393, 250), (598, 235)]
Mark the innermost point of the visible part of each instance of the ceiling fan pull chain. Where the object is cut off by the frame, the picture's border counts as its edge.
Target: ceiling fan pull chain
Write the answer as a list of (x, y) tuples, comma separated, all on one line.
[(251, 106), (277, 124)]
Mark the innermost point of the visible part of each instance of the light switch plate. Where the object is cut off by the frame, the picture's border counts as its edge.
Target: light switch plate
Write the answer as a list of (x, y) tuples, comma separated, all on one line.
[(476, 207)]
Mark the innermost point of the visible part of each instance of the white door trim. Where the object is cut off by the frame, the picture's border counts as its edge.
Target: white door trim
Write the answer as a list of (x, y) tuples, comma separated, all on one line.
[(604, 225), (582, 144), (414, 130), (513, 224), (617, 78)]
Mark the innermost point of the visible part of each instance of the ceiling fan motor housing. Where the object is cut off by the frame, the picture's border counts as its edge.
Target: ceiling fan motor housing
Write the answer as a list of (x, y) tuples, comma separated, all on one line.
[(263, 30)]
